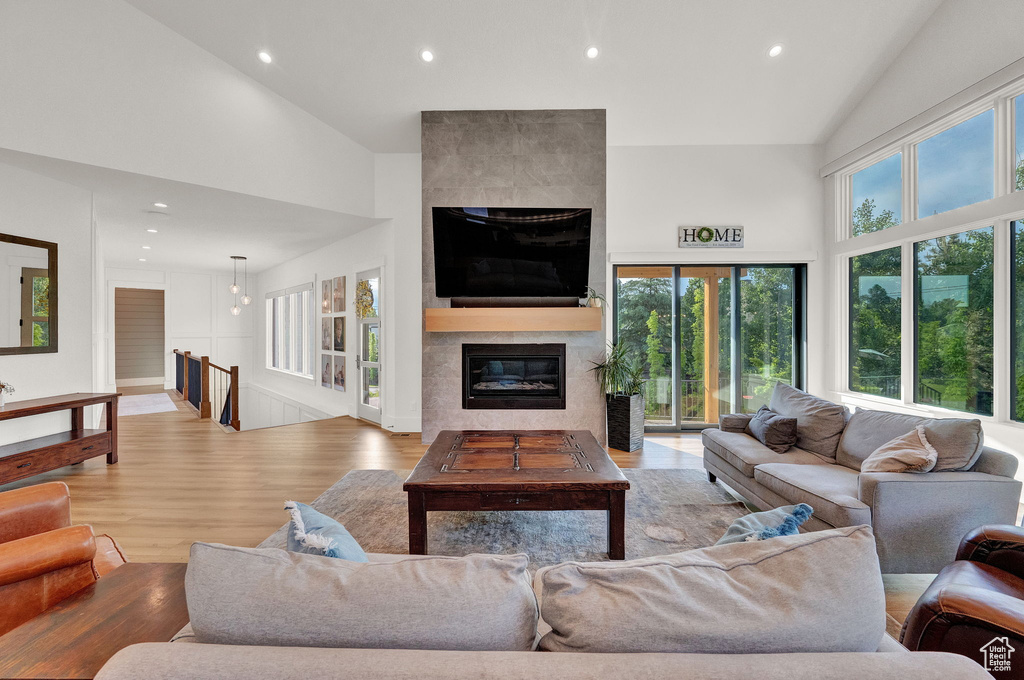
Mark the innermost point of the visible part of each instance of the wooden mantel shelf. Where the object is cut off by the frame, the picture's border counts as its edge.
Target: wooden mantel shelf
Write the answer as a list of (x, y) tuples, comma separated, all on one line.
[(476, 319)]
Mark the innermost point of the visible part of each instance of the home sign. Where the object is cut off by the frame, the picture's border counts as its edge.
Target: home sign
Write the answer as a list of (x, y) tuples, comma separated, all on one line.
[(710, 237)]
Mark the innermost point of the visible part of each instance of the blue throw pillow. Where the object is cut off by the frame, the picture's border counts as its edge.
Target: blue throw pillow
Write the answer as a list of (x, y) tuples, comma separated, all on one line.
[(314, 533), (757, 526)]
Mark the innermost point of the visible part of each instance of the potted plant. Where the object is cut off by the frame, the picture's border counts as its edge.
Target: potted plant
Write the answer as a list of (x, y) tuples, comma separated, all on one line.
[(5, 389), (594, 299), (622, 378)]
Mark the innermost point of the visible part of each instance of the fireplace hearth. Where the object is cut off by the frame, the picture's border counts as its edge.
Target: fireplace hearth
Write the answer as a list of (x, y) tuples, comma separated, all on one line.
[(516, 376)]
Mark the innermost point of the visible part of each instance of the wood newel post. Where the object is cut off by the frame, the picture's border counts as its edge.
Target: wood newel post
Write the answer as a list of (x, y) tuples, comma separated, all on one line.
[(204, 403), (235, 421)]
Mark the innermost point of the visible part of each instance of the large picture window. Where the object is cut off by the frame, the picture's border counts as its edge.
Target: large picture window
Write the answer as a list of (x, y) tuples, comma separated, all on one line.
[(878, 196), (956, 167), (875, 323), (953, 312), (290, 330), (1017, 327), (713, 339)]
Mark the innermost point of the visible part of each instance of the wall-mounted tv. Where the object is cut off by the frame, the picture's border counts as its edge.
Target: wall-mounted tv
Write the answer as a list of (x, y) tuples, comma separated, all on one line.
[(511, 252)]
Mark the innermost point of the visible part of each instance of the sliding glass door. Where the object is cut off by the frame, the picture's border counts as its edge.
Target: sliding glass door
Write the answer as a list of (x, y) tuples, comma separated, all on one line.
[(713, 339)]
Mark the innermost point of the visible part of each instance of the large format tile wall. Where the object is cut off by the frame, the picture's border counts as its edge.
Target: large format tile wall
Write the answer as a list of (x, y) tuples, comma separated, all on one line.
[(526, 159)]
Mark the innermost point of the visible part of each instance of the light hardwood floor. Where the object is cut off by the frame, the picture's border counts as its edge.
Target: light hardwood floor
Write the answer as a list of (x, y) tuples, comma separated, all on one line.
[(180, 479)]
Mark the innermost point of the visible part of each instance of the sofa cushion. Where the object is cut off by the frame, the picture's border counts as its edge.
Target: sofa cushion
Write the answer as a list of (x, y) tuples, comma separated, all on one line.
[(314, 533), (253, 596), (820, 423), (776, 432), (832, 490), (756, 597), (744, 452), (957, 441), (908, 452), (760, 526)]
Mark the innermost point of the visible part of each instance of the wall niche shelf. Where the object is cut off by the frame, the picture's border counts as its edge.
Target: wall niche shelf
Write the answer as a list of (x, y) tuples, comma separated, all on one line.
[(483, 319)]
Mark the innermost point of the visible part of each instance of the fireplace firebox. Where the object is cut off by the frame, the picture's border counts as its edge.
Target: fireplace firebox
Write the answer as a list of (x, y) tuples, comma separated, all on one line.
[(519, 376)]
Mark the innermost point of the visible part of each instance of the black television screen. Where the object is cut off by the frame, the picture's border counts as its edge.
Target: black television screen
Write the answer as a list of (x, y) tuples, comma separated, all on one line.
[(511, 252)]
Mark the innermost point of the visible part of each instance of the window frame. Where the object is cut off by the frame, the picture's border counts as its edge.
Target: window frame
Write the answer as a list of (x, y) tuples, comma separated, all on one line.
[(273, 333)]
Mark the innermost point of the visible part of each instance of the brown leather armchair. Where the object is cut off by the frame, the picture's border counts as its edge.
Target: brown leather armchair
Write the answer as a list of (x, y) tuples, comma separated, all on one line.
[(975, 600), (43, 558)]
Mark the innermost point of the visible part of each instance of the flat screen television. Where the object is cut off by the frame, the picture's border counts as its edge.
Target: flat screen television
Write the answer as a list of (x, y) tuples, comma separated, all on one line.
[(511, 252)]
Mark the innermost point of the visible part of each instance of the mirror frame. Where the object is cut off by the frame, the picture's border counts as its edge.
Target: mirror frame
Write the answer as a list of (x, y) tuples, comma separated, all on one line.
[(51, 261)]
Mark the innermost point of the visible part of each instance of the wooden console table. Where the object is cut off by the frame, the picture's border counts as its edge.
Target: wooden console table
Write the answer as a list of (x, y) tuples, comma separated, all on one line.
[(42, 454)]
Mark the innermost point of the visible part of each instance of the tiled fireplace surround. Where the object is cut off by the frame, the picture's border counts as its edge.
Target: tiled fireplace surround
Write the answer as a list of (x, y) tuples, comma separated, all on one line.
[(527, 159)]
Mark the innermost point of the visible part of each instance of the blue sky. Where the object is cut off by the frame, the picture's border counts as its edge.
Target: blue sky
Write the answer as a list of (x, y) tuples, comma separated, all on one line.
[(955, 167), (882, 182)]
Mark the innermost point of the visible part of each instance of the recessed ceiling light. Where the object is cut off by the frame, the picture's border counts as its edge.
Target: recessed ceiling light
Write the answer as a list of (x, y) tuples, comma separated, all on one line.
[(592, 52), (775, 50), (159, 205), (264, 56), (151, 231), (146, 248), (427, 56), (142, 259)]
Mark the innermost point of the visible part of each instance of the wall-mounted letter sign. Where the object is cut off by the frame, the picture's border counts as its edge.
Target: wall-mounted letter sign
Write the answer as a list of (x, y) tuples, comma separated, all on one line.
[(710, 237)]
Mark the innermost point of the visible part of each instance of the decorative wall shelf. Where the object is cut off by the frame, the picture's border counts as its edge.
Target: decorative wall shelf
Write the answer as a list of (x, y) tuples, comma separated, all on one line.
[(482, 319)]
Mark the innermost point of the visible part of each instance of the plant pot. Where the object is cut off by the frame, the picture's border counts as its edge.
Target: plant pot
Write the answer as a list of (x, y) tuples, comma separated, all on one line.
[(626, 422)]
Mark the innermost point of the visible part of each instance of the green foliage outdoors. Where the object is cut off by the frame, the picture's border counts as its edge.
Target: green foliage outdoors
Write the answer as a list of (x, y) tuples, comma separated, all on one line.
[(954, 336), (1018, 282), (1020, 173), (875, 325), (865, 221), (644, 318), (41, 296)]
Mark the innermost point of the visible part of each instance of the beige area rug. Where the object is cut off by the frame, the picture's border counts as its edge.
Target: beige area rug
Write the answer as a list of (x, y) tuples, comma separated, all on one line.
[(141, 404), (667, 511)]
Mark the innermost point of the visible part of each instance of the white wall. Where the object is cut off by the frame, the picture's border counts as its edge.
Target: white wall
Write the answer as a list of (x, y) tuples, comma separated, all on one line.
[(197, 318), (963, 42), (774, 192), (102, 83), (41, 208)]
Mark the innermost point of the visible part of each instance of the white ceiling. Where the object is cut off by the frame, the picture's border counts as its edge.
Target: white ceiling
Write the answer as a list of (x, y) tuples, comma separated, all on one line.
[(201, 227), (670, 71)]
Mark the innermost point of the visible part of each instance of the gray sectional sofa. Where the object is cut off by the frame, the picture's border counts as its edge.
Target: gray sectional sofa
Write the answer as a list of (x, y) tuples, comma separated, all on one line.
[(731, 612), (918, 519)]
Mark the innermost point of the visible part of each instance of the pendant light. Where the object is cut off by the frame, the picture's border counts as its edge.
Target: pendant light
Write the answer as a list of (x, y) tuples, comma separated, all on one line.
[(234, 288), (245, 282)]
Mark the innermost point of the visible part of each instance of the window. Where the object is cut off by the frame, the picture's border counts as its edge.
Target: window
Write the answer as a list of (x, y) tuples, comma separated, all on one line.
[(682, 322), (953, 311), (875, 322), (290, 330), (878, 196), (955, 167), (1018, 105), (1017, 326)]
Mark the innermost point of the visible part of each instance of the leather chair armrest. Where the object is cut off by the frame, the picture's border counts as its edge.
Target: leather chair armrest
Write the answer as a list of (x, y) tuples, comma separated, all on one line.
[(998, 545), (33, 510), (932, 623), (35, 555), (734, 422)]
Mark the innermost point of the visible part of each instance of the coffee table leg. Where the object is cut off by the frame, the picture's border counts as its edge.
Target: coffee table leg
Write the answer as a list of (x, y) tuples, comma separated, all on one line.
[(617, 525), (417, 524)]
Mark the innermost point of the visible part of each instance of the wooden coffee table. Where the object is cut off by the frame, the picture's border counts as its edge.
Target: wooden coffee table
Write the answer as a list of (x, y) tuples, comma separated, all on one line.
[(488, 470), (134, 603)]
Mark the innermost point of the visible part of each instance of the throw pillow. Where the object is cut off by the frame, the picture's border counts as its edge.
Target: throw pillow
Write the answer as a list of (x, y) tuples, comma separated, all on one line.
[(819, 422), (908, 452), (958, 442), (758, 526), (270, 597), (314, 533), (815, 592), (776, 432)]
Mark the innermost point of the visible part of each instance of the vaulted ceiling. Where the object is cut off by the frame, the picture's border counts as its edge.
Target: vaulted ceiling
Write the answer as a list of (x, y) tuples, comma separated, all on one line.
[(669, 71)]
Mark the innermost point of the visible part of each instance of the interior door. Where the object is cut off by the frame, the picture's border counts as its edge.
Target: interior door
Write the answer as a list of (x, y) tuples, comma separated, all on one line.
[(369, 359)]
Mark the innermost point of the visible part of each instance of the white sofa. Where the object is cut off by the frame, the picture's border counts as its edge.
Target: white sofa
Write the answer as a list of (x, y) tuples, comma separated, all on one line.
[(267, 614)]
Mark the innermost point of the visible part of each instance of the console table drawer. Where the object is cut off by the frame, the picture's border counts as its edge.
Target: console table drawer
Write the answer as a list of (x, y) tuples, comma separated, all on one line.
[(78, 450), (25, 465), (52, 452), (497, 500)]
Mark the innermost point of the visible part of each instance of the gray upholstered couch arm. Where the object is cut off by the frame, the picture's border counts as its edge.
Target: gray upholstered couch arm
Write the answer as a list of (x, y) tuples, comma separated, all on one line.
[(919, 519), (734, 422), (996, 462)]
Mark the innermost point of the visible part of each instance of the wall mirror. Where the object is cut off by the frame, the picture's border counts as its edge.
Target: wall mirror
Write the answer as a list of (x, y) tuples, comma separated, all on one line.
[(28, 295)]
